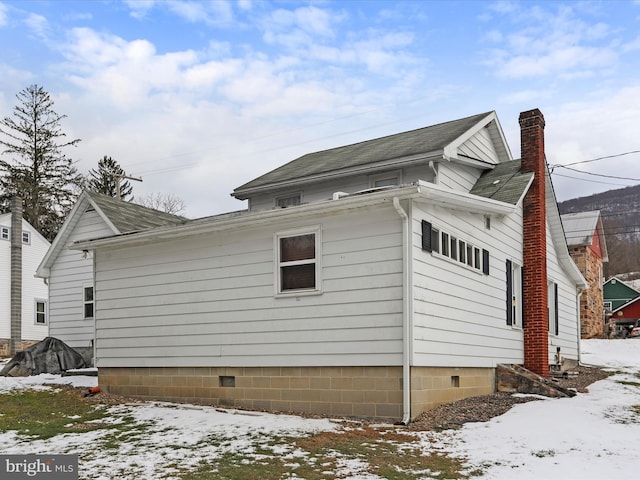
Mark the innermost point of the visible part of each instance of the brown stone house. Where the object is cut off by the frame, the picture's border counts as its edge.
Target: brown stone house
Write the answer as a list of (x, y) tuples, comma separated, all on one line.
[(588, 248)]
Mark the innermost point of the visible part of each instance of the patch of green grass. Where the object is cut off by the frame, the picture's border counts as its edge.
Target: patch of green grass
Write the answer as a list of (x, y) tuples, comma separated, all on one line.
[(387, 454), (45, 414), (626, 382)]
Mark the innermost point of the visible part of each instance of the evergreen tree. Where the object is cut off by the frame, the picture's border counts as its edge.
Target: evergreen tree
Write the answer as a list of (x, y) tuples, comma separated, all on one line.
[(32, 164), (106, 177)]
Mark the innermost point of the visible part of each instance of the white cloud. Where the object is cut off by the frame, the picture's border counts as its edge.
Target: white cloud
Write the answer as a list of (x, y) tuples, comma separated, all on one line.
[(37, 24), (551, 43), (140, 8), (3, 15), (210, 13)]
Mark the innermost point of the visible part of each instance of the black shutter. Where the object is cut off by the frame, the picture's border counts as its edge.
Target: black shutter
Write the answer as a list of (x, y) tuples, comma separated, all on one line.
[(509, 294), (522, 295), (426, 236), (555, 309), (485, 261)]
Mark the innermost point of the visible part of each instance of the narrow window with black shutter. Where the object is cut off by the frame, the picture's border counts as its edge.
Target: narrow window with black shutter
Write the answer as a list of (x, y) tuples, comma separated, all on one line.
[(426, 236), (557, 317), (509, 292), (485, 261), (430, 237)]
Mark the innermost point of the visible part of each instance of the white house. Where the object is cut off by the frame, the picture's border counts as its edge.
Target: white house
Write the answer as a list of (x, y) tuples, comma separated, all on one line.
[(377, 279), (34, 308), (69, 273)]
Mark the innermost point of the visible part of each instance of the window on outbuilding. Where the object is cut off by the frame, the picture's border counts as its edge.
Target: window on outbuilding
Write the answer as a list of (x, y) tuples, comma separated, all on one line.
[(88, 301)]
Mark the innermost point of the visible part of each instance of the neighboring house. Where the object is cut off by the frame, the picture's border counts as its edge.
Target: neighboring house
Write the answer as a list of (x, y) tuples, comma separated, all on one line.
[(587, 246), (622, 300), (617, 292), (69, 273), (378, 279), (35, 323)]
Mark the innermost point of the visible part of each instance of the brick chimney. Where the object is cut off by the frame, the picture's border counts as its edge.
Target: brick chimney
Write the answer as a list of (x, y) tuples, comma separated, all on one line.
[(535, 290)]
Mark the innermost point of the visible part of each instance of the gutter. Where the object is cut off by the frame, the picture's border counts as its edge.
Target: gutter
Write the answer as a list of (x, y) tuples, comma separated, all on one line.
[(407, 312), (420, 191)]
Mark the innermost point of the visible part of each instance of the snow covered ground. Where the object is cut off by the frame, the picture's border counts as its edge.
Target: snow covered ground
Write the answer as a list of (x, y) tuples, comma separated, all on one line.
[(591, 436)]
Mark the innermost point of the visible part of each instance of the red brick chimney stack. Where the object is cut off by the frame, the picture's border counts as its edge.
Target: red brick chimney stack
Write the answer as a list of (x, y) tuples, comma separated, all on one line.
[(535, 290)]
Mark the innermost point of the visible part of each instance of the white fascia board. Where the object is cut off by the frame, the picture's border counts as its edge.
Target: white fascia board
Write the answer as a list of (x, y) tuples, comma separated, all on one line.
[(44, 269), (422, 191), (445, 197), (368, 168), (248, 219)]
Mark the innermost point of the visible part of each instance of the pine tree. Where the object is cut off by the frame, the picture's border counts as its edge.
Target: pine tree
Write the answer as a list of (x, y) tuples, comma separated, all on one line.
[(32, 164), (105, 179)]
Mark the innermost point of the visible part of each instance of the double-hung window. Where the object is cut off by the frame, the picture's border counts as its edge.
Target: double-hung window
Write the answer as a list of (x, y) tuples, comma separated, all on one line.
[(40, 312), (514, 294), (87, 301), (554, 318), (298, 261)]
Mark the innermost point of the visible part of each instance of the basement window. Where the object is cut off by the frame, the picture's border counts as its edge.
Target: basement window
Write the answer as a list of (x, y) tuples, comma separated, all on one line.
[(455, 381), (227, 381)]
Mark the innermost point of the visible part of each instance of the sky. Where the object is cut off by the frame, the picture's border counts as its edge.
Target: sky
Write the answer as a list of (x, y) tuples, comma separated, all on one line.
[(588, 437), (200, 97)]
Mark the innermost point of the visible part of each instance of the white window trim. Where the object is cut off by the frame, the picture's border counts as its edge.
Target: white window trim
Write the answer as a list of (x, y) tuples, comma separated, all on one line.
[(551, 308), (84, 302), (317, 231), (285, 196), (516, 291), (475, 251), (35, 311), (385, 176), (5, 233), (27, 236)]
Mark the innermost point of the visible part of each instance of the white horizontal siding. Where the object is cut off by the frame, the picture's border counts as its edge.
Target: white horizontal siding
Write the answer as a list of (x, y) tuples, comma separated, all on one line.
[(568, 336), (457, 177), (460, 313), (32, 288), (70, 272), (324, 190), (208, 300), (480, 147)]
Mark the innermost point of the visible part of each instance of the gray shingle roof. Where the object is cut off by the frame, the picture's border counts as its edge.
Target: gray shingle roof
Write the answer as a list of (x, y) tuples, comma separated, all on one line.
[(505, 183), (579, 228), (131, 217), (422, 140)]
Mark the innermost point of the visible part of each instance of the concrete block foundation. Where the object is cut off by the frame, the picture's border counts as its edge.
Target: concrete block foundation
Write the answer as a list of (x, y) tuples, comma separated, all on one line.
[(365, 392)]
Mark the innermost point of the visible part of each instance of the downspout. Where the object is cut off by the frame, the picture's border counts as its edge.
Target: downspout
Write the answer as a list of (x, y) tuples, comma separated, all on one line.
[(579, 323), (406, 312)]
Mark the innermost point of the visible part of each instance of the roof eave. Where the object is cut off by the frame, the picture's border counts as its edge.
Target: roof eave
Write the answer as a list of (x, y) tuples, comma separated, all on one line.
[(421, 191), (244, 194)]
